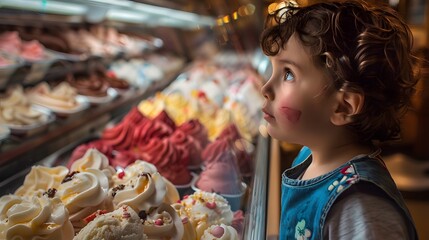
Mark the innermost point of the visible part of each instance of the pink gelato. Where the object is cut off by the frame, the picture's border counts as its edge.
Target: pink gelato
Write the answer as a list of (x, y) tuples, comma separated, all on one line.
[(221, 175), (166, 157), (230, 139), (10, 42), (194, 128), (32, 51)]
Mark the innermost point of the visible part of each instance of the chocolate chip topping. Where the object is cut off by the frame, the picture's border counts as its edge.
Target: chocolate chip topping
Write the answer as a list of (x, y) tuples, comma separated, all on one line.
[(117, 188), (143, 215), (50, 193), (69, 176)]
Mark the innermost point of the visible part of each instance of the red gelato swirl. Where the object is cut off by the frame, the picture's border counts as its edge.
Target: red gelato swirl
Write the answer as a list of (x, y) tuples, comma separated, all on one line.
[(120, 137), (188, 146), (150, 129), (81, 150), (230, 132), (221, 176), (195, 129), (124, 158), (167, 158), (134, 116), (163, 117)]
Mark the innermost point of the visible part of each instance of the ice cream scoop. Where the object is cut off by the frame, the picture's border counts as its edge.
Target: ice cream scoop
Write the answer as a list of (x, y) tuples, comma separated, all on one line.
[(83, 193), (206, 209), (123, 223), (163, 223)]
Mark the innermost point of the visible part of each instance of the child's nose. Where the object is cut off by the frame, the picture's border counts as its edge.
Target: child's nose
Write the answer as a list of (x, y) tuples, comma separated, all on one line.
[(267, 91)]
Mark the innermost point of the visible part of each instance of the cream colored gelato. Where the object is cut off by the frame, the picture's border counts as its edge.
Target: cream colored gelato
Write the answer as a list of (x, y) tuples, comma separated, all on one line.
[(221, 232), (94, 159), (206, 209), (61, 97), (84, 193), (36, 218), (40, 179), (163, 223), (189, 230), (134, 170), (15, 109), (123, 223), (143, 192)]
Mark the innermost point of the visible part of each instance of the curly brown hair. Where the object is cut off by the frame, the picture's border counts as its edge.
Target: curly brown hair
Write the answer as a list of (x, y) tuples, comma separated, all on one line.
[(364, 49)]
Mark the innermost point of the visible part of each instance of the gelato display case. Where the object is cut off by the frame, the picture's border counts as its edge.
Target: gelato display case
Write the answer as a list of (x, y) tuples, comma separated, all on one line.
[(123, 110)]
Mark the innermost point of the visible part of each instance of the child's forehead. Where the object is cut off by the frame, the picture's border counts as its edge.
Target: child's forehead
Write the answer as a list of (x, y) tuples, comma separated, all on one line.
[(294, 51)]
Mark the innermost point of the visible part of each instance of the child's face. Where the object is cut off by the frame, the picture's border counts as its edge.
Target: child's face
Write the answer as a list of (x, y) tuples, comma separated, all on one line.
[(297, 101)]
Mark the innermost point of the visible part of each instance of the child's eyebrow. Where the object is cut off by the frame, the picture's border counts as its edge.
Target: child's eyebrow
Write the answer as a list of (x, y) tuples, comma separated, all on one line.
[(290, 62)]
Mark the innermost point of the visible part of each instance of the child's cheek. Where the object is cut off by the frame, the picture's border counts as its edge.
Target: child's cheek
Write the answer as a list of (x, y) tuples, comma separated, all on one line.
[(291, 114)]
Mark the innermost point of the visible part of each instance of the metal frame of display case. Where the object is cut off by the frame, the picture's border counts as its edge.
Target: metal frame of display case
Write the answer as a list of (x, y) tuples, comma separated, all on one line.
[(256, 216)]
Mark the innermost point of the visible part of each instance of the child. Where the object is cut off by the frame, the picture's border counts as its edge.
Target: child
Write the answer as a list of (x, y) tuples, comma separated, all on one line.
[(342, 75)]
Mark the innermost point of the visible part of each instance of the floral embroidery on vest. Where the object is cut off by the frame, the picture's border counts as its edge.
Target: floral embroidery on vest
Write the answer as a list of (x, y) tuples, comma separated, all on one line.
[(349, 177), (302, 233)]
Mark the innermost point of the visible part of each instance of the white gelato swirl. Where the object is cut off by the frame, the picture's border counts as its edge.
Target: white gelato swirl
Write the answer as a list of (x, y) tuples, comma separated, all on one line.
[(40, 179), (213, 233), (83, 194), (141, 193), (163, 223), (40, 218), (134, 170), (206, 209), (94, 159)]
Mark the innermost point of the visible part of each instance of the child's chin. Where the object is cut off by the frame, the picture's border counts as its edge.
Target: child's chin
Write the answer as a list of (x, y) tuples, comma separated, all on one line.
[(277, 133)]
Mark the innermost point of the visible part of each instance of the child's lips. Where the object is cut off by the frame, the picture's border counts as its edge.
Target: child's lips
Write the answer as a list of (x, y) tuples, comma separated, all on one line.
[(267, 115)]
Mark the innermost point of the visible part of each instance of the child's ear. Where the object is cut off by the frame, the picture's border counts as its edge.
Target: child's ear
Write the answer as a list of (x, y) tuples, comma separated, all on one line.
[(347, 104)]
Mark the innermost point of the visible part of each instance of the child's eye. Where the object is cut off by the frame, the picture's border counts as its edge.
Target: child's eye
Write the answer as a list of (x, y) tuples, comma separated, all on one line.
[(288, 75)]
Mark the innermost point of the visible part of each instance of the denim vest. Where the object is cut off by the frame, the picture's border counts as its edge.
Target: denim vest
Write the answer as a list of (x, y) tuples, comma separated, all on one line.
[(306, 203)]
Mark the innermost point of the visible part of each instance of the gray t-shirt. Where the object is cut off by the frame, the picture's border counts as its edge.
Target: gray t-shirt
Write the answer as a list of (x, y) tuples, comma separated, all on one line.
[(359, 213)]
